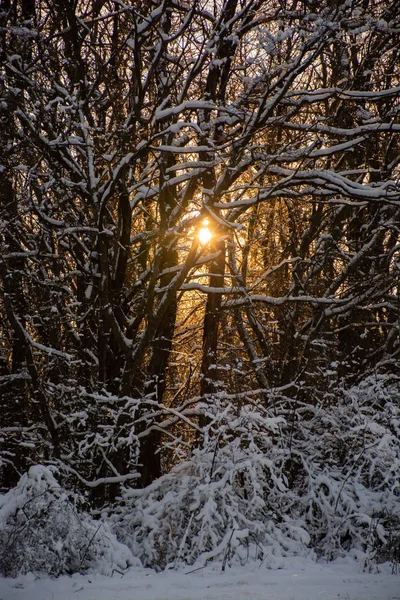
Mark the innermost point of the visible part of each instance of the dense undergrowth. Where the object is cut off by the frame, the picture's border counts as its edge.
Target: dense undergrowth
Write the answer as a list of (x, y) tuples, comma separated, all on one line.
[(320, 481)]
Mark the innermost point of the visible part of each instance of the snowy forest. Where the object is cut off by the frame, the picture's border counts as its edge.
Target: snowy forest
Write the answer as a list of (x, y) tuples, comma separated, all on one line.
[(199, 282)]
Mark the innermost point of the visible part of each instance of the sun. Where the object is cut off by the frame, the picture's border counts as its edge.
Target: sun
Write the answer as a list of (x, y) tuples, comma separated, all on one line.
[(204, 234)]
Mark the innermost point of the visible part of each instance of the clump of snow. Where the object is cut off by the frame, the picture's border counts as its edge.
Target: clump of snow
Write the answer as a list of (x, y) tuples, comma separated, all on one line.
[(42, 531)]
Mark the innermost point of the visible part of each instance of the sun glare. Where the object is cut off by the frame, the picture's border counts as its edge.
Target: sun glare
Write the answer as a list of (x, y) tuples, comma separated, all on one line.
[(204, 234)]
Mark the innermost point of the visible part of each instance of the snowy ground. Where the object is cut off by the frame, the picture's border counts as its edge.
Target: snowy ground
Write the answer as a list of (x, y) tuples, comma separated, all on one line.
[(297, 580)]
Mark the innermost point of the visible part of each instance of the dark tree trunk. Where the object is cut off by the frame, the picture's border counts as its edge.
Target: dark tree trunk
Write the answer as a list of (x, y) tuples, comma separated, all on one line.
[(212, 318)]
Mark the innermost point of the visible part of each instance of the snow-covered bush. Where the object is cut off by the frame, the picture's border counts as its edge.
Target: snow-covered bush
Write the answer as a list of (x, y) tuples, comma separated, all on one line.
[(322, 478), (348, 457), (228, 501), (41, 531)]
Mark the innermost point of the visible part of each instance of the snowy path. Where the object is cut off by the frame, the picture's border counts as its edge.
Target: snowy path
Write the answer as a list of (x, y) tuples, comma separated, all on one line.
[(298, 580)]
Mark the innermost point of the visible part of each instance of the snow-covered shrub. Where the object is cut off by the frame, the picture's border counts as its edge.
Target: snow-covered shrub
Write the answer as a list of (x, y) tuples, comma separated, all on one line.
[(41, 531), (348, 460), (228, 501), (272, 481)]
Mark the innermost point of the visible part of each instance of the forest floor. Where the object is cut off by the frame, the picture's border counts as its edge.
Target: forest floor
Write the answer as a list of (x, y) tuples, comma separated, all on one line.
[(298, 579)]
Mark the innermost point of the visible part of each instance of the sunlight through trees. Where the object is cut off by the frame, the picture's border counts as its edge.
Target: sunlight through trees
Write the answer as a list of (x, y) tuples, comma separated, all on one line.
[(199, 229)]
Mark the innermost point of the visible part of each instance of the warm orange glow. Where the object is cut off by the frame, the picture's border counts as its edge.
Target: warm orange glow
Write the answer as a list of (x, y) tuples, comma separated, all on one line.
[(204, 234)]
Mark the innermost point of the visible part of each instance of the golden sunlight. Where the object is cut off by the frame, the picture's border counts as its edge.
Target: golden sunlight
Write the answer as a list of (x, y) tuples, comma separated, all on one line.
[(204, 234)]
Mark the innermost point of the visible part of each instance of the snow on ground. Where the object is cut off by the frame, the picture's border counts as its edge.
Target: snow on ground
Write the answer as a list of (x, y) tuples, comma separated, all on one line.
[(299, 579)]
